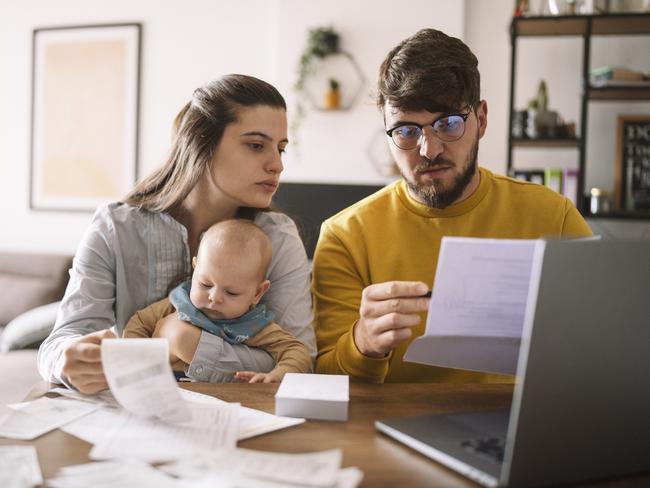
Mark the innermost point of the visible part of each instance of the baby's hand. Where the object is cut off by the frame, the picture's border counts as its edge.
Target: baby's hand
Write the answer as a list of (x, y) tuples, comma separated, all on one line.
[(253, 377)]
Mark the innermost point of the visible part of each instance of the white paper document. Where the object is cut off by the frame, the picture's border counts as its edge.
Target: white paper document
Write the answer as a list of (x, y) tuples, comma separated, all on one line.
[(256, 422), (19, 467), (154, 440), (252, 422), (481, 287), (106, 426), (125, 474), (140, 377), (249, 468), (478, 304), (32, 419), (98, 426), (104, 398), (239, 468)]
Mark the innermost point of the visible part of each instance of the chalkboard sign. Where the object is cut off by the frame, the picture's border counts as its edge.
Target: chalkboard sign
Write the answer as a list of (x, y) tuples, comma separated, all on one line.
[(633, 162)]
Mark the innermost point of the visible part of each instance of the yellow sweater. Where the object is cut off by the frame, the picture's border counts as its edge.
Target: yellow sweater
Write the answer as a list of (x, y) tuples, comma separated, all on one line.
[(389, 236)]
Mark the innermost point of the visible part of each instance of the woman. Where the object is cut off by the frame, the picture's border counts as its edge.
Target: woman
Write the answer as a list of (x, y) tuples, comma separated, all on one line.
[(225, 162)]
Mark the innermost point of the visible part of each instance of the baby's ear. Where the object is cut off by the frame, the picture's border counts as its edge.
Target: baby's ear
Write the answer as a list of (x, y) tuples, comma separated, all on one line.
[(194, 262), (262, 288)]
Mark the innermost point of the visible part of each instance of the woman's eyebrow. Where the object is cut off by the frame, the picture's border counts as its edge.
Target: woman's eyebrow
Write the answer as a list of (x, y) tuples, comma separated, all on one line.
[(262, 135)]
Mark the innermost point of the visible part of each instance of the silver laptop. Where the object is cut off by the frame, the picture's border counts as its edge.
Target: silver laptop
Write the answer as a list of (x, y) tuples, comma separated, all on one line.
[(581, 405)]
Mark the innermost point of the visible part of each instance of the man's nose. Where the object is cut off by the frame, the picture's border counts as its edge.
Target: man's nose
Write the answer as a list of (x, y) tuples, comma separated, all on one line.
[(430, 145)]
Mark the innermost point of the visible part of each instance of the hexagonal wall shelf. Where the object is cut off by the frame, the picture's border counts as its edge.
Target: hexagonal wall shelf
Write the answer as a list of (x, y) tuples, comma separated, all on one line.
[(347, 75)]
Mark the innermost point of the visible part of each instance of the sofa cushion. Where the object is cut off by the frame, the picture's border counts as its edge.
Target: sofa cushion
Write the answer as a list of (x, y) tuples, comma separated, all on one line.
[(30, 280), (29, 329)]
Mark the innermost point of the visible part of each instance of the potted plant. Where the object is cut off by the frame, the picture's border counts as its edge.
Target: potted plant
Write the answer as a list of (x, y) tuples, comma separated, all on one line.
[(321, 42), (332, 99)]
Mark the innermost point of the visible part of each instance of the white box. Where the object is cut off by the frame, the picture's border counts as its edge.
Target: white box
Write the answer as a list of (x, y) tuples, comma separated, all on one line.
[(313, 396)]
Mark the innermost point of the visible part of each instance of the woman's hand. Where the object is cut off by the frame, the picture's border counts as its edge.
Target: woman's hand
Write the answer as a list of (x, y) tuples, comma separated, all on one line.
[(253, 377), (183, 337), (83, 362)]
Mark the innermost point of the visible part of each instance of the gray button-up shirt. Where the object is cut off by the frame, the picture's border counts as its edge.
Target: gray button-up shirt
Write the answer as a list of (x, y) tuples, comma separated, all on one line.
[(129, 257)]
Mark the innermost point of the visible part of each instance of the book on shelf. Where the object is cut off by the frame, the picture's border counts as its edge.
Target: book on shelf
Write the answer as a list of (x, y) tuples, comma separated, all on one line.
[(553, 179), (597, 83), (613, 76), (562, 181), (570, 185), (532, 175), (617, 73)]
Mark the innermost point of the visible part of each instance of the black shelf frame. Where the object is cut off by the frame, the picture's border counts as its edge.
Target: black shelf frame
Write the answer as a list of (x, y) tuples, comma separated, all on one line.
[(585, 26)]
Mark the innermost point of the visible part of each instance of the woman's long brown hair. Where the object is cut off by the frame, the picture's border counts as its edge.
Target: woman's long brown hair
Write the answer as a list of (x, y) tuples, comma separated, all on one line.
[(198, 129)]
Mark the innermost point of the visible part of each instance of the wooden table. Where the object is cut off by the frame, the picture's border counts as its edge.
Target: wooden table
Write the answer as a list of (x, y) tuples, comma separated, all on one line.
[(383, 461)]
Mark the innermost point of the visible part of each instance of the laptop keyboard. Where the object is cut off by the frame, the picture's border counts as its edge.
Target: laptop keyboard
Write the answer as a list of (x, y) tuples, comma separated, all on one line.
[(490, 448)]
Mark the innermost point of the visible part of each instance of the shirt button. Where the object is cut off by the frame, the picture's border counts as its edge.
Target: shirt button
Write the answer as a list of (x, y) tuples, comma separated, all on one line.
[(199, 370)]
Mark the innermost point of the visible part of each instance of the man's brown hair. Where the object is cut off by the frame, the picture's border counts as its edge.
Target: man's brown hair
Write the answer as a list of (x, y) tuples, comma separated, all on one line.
[(429, 71)]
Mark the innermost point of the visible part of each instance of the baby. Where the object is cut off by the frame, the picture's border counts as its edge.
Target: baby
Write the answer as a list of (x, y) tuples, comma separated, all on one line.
[(222, 297)]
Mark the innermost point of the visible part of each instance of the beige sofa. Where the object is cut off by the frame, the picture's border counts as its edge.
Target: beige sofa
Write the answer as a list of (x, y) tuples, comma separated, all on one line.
[(31, 284)]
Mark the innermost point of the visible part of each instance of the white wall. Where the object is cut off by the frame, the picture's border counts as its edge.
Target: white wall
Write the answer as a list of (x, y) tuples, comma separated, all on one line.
[(486, 33), (332, 145), (184, 45)]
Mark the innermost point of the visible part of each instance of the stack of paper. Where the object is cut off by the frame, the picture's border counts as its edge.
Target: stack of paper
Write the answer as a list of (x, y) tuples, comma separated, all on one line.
[(315, 396)]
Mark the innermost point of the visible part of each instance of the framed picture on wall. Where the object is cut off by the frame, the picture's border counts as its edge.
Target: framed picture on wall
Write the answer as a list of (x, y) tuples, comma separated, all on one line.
[(633, 162), (85, 97)]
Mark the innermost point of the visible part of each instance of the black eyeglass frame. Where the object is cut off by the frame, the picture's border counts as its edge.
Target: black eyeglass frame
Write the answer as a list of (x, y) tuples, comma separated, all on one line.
[(462, 115)]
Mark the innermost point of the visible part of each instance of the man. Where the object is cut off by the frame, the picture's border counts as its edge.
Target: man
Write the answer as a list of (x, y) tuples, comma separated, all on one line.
[(376, 260)]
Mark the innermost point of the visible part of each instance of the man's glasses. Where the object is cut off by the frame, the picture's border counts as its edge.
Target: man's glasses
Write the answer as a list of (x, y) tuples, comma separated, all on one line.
[(448, 128)]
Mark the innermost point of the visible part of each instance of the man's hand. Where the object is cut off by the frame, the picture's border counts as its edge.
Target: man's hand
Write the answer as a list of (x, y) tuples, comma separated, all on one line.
[(82, 363), (387, 313), (253, 377), (183, 337)]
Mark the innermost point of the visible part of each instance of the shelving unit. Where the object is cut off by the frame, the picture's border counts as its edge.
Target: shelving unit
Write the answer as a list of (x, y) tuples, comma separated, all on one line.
[(584, 26)]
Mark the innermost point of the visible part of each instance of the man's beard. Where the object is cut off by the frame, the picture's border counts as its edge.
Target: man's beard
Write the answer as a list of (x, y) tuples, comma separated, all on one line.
[(433, 194)]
